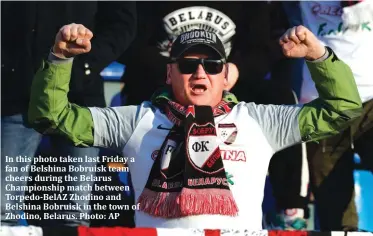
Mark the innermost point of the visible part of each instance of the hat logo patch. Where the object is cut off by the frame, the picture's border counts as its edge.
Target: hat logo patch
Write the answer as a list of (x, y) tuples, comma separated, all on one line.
[(201, 35)]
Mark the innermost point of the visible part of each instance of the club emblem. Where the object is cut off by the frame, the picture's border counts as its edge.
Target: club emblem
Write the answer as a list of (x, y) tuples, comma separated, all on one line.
[(203, 150), (228, 132)]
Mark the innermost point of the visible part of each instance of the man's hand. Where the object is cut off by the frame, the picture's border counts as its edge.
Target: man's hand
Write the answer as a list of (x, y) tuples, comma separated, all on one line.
[(72, 40), (300, 42)]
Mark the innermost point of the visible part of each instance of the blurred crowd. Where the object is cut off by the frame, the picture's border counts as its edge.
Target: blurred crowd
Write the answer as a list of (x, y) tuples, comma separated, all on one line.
[(140, 34)]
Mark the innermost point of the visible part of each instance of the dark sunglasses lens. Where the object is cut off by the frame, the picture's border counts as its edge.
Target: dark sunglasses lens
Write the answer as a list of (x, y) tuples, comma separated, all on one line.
[(213, 67), (188, 66)]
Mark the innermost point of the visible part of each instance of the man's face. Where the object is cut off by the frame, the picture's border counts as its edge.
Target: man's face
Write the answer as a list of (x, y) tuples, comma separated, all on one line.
[(198, 87)]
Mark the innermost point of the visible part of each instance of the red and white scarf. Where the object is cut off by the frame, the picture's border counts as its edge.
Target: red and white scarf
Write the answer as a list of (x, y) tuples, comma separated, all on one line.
[(188, 176)]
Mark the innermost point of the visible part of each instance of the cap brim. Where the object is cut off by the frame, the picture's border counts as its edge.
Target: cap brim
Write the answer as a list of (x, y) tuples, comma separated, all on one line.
[(200, 44)]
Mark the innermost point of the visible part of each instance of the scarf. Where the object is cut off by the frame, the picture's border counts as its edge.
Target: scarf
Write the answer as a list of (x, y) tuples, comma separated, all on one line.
[(188, 176)]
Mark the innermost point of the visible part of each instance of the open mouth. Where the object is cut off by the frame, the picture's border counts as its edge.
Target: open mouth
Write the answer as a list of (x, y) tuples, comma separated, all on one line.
[(199, 88)]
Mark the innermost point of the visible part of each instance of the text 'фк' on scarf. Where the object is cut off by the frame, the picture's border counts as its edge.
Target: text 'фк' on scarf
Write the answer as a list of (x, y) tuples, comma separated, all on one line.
[(188, 176)]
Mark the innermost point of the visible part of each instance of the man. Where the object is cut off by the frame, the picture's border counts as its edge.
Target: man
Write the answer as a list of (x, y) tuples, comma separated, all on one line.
[(193, 151), (251, 50), (23, 49)]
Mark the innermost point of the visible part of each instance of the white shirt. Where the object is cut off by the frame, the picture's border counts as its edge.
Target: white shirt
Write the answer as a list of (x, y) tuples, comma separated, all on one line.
[(261, 131)]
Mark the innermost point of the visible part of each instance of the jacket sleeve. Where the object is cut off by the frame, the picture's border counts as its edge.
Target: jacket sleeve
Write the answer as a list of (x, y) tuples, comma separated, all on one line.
[(338, 104), (49, 110), (336, 107)]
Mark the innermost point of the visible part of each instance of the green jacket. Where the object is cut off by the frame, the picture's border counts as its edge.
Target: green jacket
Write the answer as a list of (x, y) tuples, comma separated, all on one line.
[(337, 106)]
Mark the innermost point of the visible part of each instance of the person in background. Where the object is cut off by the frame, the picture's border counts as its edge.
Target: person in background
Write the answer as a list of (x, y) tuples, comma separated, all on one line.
[(28, 31), (346, 27)]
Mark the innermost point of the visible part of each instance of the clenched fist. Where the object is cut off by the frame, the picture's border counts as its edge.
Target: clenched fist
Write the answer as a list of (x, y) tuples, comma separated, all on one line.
[(300, 42), (72, 40)]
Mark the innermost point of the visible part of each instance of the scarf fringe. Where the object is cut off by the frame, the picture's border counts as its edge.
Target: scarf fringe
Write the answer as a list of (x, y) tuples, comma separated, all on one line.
[(188, 202), (160, 204)]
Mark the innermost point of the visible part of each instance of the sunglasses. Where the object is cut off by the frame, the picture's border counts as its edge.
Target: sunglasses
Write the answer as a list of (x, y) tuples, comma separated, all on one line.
[(190, 65)]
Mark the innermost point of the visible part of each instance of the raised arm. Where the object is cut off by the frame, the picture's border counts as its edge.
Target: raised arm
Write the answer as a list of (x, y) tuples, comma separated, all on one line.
[(336, 107), (50, 112), (49, 109), (338, 104)]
